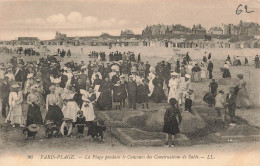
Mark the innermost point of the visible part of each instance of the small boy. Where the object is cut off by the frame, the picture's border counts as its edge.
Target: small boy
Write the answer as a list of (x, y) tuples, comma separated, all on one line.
[(188, 100), (96, 129), (30, 131), (66, 127), (51, 129), (80, 123)]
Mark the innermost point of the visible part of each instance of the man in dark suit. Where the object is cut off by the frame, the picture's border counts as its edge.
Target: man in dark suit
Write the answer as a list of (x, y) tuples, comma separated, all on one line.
[(210, 69), (4, 95), (19, 73), (231, 104), (132, 88)]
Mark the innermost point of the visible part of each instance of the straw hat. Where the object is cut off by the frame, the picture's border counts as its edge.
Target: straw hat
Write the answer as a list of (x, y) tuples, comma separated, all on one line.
[(187, 76), (49, 122), (38, 80), (16, 86), (30, 75), (33, 127), (56, 81), (226, 66), (76, 73), (174, 74), (83, 67)]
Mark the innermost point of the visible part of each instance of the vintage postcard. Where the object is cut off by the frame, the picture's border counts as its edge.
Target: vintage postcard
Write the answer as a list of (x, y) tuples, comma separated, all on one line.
[(129, 82)]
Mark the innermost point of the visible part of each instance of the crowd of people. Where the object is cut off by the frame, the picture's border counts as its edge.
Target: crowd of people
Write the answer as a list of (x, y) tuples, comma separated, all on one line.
[(62, 96)]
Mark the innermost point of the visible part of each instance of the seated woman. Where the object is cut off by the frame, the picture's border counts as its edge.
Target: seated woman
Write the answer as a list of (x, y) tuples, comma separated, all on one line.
[(226, 72)]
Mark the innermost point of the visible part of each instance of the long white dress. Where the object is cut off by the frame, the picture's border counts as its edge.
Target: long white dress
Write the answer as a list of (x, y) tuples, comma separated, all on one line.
[(15, 113), (88, 109), (173, 93), (70, 108), (69, 75), (151, 77), (203, 72)]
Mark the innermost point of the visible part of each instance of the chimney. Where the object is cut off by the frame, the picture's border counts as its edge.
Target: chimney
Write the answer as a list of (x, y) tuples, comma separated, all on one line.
[(199, 26)]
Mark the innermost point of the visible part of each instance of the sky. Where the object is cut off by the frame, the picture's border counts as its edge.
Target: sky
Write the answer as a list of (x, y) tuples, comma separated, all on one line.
[(42, 18)]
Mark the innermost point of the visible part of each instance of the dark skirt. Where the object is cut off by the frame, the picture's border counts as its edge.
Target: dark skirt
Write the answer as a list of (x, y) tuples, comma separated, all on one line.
[(171, 127), (158, 94), (226, 73), (55, 114), (105, 100), (80, 129), (34, 115)]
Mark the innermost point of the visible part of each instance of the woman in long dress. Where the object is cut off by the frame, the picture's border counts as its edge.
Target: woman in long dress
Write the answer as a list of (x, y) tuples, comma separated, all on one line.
[(54, 112), (158, 93), (203, 74), (226, 72), (242, 99), (70, 107), (28, 84), (34, 115), (151, 77), (173, 84), (15, 101)]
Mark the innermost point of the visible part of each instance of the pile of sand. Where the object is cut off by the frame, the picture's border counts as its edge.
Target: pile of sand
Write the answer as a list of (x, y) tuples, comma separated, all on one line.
[(190, 122)]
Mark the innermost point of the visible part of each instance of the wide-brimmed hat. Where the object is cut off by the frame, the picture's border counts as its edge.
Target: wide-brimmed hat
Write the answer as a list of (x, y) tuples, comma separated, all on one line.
[(187, 76), (83, 67), (16, 86), (174, 74), (30, 75), (56, 81), (49, 122), (226, 66), (33, 127), (38, 80)]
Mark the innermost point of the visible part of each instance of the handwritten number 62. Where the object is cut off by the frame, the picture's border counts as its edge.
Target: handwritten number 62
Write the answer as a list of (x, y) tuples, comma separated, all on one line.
[(239, 10)]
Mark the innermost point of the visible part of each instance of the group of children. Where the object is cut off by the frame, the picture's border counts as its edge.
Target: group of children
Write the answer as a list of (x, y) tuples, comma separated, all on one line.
[(96, 128)]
